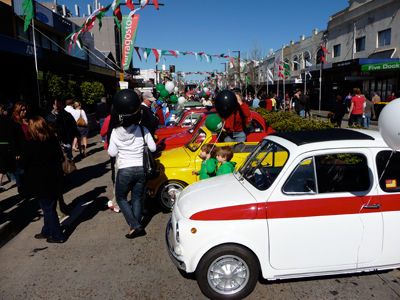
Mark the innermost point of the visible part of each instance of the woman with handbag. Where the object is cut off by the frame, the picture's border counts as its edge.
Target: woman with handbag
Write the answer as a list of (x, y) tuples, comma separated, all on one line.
[(41, 159), (82, 124), (128, 142)]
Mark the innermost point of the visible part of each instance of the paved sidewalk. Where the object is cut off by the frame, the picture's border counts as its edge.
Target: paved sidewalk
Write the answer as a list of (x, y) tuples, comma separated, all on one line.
[(17, 212)]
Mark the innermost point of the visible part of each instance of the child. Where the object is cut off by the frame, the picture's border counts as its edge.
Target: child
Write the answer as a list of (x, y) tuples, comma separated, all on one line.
[(209, 163), (224, 156)]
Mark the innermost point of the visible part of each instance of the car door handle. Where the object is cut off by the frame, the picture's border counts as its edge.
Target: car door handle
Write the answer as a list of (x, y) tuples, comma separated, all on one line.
[(373, 206)]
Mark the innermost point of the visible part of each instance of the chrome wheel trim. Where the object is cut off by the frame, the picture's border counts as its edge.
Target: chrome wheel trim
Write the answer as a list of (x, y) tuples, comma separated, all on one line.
[(168, 193), (228, 275)]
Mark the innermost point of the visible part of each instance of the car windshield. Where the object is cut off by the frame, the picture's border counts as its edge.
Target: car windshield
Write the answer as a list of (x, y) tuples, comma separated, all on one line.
[(264, 164), (194, 125), (197, 140), (179, 116)]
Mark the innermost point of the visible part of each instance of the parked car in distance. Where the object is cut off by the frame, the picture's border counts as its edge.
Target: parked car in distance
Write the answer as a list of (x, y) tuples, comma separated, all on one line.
[(303, 204), (187, 106), (184, 120), (255, 132), (176, 166)]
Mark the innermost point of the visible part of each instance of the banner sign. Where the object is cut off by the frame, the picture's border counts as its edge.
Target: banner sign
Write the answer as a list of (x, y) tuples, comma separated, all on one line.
[(123, 85), (381, 67), (129, 30)]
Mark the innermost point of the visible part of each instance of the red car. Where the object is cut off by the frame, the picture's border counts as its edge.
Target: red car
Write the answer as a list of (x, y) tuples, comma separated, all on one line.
[(183, 122), (256, 131)]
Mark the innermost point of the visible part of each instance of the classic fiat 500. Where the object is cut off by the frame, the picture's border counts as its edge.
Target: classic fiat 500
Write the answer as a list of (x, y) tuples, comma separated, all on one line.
[(176, 166), (303, 204)]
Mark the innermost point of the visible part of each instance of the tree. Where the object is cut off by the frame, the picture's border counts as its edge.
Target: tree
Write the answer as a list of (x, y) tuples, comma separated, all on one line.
[(74, 91), (56, 86), (253, 72), (92, 92)]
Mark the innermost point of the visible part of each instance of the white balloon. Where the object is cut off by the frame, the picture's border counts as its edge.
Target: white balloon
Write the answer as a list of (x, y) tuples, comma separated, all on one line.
[(169, 86), (205, 90), (181, 101), (389, 124), (176, 89)]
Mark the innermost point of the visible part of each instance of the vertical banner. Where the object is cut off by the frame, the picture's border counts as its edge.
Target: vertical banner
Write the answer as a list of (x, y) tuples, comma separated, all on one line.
[(128, 30)]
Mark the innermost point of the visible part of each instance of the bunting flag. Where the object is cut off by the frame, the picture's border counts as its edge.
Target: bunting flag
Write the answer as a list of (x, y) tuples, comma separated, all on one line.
[(137, 51), (270, 79), (287, 73), (308, 64), (174, 53), (117, 12), (324, 49), (146, 52), (286, 66), (280, 68), (101, 14), (157, 55), (323, 59), (270, 73), (281, 75), (27, 6), (308, 73)]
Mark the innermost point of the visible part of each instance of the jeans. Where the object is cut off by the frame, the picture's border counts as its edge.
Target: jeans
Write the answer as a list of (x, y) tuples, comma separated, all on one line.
[(301, 113), (130, 180), (237, 136), (367, 120), (101, 126), (51, 227)]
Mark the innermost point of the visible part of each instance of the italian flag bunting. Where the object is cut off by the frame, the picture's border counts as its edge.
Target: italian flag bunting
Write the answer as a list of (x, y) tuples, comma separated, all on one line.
[(286, 66), (324, 49), (286, 73), (117, 12), (323, 59), (137, 51), (27, 6)]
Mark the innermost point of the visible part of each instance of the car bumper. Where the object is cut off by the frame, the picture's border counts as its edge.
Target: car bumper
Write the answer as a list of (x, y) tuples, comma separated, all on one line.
[(169, 238)]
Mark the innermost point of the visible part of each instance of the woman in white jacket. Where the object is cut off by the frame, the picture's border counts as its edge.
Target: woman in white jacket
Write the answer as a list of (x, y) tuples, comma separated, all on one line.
[(127, 142)]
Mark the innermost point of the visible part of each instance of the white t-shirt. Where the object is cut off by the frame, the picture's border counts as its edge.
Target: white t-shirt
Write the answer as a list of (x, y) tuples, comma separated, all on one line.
[(77, 112), (127, 142)]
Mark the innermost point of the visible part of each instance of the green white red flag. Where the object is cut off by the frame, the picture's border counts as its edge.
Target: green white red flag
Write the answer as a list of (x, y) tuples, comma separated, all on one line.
[(27, 6)]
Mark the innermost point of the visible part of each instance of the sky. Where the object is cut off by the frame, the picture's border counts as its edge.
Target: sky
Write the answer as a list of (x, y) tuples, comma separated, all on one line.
[(217, 26)]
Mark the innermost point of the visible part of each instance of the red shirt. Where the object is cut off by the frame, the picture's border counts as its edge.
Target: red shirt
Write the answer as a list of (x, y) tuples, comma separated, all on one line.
[(390, 98), (104, 130), (269, 104), (242, 113), (358, 105)]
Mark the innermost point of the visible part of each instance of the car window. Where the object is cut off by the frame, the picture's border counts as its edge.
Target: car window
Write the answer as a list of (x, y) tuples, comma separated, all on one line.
[(197, 140), (302, 180), (254, 126), (264, 164), (179, 116), (388, 166), (189, 120), (331, 173), (195, 123)]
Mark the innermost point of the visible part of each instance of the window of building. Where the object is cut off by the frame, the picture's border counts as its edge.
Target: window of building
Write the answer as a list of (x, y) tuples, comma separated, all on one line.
[(360, 44), (384, 37), (336, 51), (55, 39), (307, 58), (295, 63)]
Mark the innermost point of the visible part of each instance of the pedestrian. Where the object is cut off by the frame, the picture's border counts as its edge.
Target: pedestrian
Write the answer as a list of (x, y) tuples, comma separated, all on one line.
[(268, 103), (273, 102), (288, 103), (83, 127), (127, 142), (339, 109), (299, 103), (148, 118), (69, 106), (263, 101), (347, 102), (356, 108), (376, 98), (224, 156), (369, 112), (103, 110), (41, 160), (391, 97), (235, 124), (256, 102), (17, 138), (160, 111), (7, 164)]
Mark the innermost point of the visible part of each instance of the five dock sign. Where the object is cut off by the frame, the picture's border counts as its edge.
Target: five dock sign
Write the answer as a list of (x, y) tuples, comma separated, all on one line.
[(381, 67)]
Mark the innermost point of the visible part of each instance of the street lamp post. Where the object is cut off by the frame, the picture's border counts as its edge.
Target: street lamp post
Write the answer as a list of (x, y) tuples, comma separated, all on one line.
[(240, 82)]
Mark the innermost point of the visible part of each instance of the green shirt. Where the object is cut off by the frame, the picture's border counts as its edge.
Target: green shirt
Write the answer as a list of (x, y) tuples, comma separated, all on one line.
[(226, 168), (208, 168)]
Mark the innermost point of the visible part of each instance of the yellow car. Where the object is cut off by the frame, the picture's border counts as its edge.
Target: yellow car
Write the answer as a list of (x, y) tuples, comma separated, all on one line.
[(176, 166)]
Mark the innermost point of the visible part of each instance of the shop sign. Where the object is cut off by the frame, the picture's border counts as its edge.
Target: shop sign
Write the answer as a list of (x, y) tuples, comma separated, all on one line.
[(381, 67)]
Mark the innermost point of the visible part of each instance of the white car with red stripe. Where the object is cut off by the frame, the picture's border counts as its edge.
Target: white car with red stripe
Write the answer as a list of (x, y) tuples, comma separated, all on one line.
[(303, 204)]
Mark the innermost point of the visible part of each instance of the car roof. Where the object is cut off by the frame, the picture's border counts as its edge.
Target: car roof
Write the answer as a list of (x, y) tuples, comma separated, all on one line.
[(314, 136), (330, 138)]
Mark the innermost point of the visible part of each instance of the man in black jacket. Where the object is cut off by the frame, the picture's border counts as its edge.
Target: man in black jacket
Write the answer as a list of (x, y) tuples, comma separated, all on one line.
[(149, 119), (300, 103), (103, 110), (65, 124)]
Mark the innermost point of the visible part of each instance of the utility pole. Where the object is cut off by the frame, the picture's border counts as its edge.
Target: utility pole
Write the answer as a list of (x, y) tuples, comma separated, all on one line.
[(240, 83)]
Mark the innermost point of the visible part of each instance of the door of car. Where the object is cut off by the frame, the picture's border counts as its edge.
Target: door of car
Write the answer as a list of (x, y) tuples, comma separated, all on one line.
[(317, 217)]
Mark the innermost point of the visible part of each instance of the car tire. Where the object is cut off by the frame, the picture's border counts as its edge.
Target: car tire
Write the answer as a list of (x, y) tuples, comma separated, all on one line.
[(214, 277), (164, 193)]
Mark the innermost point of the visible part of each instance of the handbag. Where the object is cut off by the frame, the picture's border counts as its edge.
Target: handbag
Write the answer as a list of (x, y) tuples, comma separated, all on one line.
[(68, 165), (81, 122), (150, 167)]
